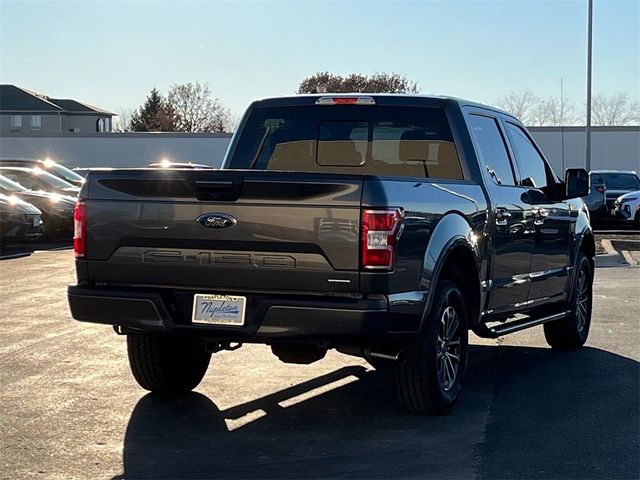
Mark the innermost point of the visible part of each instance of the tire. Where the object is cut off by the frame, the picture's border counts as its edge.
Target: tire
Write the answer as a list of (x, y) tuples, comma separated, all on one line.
[(572, 331), (167, 365), (430, 381), (636, 219)]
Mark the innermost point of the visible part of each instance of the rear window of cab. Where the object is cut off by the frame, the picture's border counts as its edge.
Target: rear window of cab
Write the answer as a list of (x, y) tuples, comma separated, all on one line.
[(372, 140)]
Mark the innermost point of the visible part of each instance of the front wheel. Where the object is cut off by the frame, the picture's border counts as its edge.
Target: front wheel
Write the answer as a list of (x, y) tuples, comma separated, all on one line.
[(165, 364), (430, 379), (571, 332)]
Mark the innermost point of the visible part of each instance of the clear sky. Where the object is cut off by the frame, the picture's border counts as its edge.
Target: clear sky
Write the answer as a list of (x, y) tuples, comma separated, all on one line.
[(111, 54)]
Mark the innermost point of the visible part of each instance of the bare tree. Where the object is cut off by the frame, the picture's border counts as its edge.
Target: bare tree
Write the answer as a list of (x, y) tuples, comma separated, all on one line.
[(553, 112), (122, 122), (225, 122), (196, 110), (325, 82), (520, 104), (616, 109)]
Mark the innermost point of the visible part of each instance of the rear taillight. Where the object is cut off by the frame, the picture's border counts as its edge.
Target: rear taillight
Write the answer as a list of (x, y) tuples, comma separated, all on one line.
[(381, 229), (601, 189), (80, 229)]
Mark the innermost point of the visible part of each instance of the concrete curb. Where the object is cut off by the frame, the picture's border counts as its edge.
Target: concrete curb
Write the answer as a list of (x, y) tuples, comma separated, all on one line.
[(612, 258), (608, 260), (629, 258), (608, 246)]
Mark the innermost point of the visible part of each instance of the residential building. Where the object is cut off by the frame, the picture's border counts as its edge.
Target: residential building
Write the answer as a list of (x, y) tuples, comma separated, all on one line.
[(25, 112)]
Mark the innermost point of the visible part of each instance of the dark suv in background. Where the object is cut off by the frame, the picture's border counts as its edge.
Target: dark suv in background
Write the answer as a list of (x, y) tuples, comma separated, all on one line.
[(616, 183)]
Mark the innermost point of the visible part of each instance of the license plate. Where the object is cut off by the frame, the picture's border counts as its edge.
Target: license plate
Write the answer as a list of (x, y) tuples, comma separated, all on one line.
[(36, 220), (218, 309)]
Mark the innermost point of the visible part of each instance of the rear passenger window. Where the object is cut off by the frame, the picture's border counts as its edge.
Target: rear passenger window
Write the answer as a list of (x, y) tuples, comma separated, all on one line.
[(492, 149), (532, 167)]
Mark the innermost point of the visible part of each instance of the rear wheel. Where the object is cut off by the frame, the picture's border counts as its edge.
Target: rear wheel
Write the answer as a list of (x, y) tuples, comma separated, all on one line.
[(166, 364), (430, 380), (572, 331)]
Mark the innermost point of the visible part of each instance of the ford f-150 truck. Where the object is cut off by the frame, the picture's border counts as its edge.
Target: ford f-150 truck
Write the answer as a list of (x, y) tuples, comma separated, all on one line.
[(383, 226)]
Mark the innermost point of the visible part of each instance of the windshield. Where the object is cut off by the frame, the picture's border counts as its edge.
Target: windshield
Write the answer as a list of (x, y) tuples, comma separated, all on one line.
[(52, 180), (65, 173), (378, 140), (7, 185), (36, 179), (621, 181)]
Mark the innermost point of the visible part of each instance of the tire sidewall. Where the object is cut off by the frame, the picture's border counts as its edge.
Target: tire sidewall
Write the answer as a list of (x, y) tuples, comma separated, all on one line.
[(583, 263), (448, 294), (165, 364)]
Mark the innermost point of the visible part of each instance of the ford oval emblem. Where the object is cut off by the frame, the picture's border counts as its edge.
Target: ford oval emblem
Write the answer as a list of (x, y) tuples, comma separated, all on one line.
[(216, 220)]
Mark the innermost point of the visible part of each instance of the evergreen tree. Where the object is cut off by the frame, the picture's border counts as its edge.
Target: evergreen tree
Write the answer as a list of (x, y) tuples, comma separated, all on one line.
[(156, 115)]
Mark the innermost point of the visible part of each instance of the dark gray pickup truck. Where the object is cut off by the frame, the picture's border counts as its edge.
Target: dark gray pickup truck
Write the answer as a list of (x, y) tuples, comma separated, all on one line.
[(384, 226)]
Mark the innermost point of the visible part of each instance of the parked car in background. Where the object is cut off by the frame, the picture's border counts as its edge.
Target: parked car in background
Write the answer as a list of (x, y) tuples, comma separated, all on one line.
[(48, 165), (83, 171), (19, 220), (596, 201), (169, 164), (38, 179), (57, 210), (627, 208), (617, 182)]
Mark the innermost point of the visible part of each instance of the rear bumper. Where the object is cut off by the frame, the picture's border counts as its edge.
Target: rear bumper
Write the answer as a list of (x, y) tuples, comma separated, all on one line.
[(598, 211), (267, 318)]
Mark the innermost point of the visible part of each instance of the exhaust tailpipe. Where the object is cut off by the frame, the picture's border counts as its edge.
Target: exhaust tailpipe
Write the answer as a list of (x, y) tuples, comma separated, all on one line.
[(398, 357), (368, 354)]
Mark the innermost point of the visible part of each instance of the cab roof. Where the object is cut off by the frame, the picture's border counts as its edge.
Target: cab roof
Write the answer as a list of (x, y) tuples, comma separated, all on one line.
[(390, 99), (625, 172)]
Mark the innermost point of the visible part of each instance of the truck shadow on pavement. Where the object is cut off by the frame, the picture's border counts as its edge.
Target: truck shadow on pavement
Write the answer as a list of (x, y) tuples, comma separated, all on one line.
[(525, 413)]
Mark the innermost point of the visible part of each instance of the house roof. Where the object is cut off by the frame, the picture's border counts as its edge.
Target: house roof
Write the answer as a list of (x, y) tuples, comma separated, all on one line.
[(71, 105), (13, 98), (17, 99)]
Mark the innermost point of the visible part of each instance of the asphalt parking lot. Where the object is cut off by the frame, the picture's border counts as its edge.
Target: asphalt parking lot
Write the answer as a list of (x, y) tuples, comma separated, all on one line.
[(71, 409)]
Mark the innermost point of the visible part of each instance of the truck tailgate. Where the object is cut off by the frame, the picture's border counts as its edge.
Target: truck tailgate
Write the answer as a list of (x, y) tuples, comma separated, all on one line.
[(293, 231)]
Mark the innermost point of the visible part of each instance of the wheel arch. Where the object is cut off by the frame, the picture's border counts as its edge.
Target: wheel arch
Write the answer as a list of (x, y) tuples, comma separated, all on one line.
[(584, 243), (588, 246), (453, 251)]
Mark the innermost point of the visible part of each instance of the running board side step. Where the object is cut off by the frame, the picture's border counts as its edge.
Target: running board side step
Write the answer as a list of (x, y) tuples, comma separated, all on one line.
[(517, 325)]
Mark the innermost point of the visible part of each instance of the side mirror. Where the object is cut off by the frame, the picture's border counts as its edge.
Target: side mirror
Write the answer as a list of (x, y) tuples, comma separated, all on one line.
[(576, 183)]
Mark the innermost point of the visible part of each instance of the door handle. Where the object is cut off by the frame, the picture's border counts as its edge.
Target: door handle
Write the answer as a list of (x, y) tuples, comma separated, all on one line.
[(502, 216), (539, 214)]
